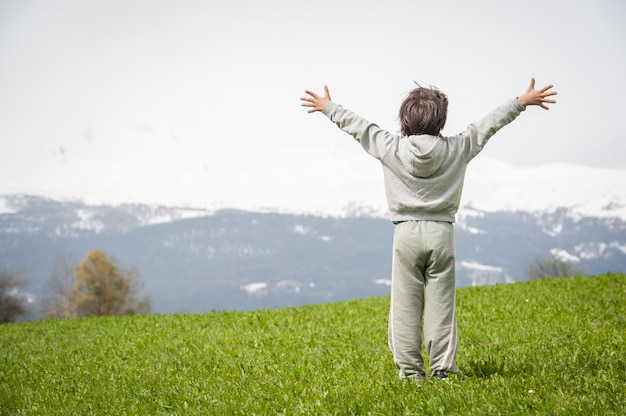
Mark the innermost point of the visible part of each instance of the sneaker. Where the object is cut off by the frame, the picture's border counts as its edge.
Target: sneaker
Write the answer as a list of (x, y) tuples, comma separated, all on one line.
[(441, 374)]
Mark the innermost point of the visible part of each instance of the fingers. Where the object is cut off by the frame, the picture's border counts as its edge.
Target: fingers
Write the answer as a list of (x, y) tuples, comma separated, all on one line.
[(544, 93), (543, 100), (531, 87), (314, 101), (309, 101), (311, 93), (540, 96), (544, 106), (306, 103)]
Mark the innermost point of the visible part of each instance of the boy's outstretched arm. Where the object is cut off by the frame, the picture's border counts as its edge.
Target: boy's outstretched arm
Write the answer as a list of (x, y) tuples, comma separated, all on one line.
[(315, 101), (537, 97)]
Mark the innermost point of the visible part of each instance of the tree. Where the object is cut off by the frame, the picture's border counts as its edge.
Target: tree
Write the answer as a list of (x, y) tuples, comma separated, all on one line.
[(12, 302), (547, 267), (58, 302), (105, 289)]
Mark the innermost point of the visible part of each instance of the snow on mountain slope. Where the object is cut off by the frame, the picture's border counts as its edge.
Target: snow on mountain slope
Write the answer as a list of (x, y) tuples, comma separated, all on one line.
[(208, 174), (492, 186), (192, 171)]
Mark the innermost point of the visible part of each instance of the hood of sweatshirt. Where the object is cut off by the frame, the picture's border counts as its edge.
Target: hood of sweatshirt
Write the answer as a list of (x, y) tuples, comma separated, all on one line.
[(422, 155)]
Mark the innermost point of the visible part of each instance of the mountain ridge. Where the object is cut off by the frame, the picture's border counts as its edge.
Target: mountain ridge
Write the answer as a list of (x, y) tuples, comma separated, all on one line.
[(191, 171), (193, 260)]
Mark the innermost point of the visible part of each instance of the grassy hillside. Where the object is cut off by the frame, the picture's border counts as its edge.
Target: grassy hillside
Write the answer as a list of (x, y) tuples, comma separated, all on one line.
[(543, 347)]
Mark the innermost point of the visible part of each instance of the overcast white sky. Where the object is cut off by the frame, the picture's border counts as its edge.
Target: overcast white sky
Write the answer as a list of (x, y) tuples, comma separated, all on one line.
[(112, 82)]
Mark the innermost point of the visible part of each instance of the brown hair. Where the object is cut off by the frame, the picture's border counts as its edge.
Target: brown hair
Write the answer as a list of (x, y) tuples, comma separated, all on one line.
[(423, 111)]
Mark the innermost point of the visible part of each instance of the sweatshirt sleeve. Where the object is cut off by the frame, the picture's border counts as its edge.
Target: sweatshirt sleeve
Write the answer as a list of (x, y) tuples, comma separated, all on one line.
[(478, 134), (376, 141)]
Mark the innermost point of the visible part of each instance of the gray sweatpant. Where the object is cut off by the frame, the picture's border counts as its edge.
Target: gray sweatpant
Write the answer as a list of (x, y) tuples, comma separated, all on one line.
[(423, 285)]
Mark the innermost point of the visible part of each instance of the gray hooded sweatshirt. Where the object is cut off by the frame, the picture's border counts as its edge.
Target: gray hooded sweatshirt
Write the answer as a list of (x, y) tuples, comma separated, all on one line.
[(423, 174)]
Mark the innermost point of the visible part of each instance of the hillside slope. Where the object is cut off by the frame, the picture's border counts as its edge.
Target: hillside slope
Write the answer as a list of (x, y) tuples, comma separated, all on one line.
[(549, 347)]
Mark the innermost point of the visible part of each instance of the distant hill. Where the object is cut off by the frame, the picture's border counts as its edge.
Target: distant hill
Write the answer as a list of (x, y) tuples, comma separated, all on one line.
[(194, 260)]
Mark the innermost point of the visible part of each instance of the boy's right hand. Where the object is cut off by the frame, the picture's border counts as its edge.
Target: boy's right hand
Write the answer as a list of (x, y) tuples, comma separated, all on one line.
[(537, 97), (315, 101)]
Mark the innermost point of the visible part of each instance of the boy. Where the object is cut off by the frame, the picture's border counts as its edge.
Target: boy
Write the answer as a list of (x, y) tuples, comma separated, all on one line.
[(423, 174)]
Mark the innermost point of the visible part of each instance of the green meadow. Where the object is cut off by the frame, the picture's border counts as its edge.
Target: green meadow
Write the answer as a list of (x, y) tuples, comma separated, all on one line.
[(545, 347)]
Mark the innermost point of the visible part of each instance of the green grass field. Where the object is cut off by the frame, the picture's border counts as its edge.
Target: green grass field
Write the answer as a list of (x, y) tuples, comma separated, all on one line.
[(549, 347)]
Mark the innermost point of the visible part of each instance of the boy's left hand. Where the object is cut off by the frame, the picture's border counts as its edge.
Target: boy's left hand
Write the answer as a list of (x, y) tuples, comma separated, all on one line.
[(537, 97), (315, 101)]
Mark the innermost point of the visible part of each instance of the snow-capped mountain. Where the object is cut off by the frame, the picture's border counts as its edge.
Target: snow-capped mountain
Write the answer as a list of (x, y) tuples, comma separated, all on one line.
[(193, 260), (583, 191), (249, 226), (206, 174), (189, 170)]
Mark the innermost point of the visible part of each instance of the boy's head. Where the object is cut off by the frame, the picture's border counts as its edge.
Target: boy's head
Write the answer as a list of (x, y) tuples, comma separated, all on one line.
[(423, 111)]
